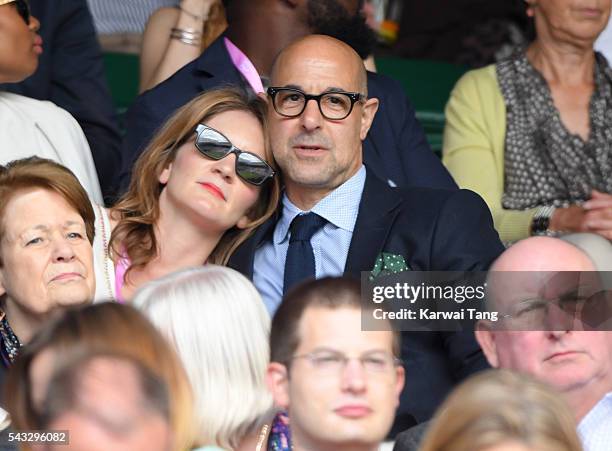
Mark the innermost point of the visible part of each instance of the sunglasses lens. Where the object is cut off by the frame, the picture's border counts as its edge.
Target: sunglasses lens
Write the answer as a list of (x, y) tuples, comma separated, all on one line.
[(213, 145), (252, 168), (249, 167), (214, 149)]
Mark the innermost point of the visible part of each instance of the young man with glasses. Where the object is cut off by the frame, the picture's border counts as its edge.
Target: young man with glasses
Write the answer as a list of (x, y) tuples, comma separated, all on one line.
[(338, 218), (339, 384)]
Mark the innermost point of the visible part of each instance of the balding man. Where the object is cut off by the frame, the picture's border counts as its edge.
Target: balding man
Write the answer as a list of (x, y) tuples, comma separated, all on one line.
[(576, 362), (534, 285), (337, 217), (396, 149)]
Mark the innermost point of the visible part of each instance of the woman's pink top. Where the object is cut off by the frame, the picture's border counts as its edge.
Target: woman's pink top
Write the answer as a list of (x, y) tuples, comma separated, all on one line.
[(120, 268)]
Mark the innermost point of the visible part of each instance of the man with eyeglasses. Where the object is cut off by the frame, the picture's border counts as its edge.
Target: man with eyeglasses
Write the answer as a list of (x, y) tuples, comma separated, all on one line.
[(338, 218), (556, 314), (339, 384), (558, 344)]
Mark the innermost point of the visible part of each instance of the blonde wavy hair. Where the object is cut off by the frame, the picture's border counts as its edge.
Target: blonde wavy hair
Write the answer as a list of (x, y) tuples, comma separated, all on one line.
[(138, 210), (500, 407)]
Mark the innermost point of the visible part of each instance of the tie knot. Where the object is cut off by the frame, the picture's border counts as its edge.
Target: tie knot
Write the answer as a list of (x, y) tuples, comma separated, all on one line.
[(303, 227)]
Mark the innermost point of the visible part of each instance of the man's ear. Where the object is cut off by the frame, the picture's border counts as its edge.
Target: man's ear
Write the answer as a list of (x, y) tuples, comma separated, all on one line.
[(399, 383), (370, 107), (277, 380), (486, 339)]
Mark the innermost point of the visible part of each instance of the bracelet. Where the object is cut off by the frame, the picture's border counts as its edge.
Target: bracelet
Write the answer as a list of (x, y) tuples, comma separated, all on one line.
[(190, 14), (187, 36), (541, 221)]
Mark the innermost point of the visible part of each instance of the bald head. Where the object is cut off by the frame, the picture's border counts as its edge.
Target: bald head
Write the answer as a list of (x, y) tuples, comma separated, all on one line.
[(537, 266), (320, 50), (543, 254)]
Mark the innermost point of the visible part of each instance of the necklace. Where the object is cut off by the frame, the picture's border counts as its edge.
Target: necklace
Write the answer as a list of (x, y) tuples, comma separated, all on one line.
[(9, 343), (107, 259), (262, 437)]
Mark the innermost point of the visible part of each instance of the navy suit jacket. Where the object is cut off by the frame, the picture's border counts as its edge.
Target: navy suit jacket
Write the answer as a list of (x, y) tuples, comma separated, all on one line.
[(396, 148), (71, 74), (434, 230)]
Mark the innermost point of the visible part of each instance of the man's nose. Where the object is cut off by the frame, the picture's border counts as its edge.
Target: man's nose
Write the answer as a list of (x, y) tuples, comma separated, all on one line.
[(559, 320), (311, 116), (353, 376)]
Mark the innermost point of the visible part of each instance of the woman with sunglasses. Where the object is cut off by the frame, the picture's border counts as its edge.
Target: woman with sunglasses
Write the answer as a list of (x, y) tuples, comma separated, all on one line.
[(198, 190), (32, 127)]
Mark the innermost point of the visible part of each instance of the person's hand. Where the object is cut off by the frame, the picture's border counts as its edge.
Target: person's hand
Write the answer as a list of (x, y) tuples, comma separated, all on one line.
[(598, 216), (594, 216), (569, 219), (198, 7), (598, 200)]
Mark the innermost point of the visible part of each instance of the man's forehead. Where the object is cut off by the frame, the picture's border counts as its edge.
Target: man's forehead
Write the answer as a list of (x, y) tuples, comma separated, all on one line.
[(339, 329), (309, 63), (508, 287)]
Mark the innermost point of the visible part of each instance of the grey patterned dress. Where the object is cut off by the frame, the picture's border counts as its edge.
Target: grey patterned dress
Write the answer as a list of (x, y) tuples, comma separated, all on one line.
[(545, 164)]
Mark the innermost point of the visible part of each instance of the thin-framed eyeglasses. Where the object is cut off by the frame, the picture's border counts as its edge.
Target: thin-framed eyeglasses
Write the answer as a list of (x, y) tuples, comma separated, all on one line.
[(333, 362), (215, 145), (578, 311), (333, 105), (23, 8)]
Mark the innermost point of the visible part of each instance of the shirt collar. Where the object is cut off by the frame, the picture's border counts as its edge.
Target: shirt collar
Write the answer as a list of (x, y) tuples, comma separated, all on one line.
[(339, 208), (603, 407)]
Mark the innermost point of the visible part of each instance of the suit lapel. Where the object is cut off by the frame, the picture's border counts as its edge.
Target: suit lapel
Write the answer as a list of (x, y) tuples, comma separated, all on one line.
[(215, 62), (378, 209)]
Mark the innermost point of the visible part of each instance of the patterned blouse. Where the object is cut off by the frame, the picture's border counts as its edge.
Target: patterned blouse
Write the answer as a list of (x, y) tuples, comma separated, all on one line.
[(545, 164)]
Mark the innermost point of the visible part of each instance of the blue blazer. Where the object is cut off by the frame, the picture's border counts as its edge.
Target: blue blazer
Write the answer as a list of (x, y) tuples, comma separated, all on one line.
[(71, 74), (396, 148), (434, 230)]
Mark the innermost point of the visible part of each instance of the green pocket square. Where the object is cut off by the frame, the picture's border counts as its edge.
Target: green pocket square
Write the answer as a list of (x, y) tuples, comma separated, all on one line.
[(387, 264)]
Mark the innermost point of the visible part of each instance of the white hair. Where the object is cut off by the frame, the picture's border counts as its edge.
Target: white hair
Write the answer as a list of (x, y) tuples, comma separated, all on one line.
[(218, 323)]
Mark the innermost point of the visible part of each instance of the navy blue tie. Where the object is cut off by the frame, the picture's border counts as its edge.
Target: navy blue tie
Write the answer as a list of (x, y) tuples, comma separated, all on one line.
[(300, 262)]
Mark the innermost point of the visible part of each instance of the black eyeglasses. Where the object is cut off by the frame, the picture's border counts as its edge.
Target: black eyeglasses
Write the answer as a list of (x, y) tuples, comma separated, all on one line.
[(23, 8), (214, 145), (333, 105)]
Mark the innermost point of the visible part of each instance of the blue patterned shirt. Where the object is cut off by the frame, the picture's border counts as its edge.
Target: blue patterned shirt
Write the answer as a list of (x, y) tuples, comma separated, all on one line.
[(595, 429), (330, 244)]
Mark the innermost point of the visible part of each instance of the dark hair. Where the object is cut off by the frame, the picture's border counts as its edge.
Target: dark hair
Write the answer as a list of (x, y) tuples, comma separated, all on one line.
[(331, 293)]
